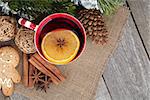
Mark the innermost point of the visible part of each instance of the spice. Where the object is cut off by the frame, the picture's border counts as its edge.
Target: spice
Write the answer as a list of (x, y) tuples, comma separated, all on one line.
[(47, 69), (44, 83), (36, 76), (50, 67), (25, 69), (38, 79)]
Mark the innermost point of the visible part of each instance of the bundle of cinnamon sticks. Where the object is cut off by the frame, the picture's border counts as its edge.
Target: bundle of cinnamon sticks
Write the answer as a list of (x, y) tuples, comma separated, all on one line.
[(43, 66)]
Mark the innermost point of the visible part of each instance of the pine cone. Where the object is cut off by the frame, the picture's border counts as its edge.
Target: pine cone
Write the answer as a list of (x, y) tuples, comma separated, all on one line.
[(94, 25)]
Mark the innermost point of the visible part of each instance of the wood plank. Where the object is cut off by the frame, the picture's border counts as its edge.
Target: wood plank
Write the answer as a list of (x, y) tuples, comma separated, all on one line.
[(18, 97), (2, 97), (141, 12), (128, 72), (102, 92)]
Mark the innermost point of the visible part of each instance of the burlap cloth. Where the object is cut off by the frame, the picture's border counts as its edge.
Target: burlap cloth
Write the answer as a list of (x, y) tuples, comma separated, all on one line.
[(82, 75)]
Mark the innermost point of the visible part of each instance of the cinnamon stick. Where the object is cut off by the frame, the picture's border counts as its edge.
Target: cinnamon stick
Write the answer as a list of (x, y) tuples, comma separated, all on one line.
[(50, 67), (31, 69), (25, 69), (40, 67)]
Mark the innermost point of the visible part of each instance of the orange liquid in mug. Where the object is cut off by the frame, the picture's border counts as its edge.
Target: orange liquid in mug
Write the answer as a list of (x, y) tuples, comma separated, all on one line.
[(60, 46)]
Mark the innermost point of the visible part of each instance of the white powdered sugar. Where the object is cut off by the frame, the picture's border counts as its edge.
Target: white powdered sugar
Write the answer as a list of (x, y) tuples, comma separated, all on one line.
[(4, 7), (88, 4), (6, 81)]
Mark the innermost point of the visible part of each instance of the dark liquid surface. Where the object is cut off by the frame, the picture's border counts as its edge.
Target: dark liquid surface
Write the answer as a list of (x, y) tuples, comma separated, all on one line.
[(62, 23)]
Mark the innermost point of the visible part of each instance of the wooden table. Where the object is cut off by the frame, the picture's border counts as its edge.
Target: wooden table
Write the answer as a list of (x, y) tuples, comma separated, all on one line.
[(127, 76)]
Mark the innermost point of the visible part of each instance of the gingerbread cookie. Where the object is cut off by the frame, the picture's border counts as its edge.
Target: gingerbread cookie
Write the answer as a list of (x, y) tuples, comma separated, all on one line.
[(9, 59), (25, 40), (7, 28)]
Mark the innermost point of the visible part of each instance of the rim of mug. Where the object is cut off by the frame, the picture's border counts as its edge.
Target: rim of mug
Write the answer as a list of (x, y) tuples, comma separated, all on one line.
[(45, 21)]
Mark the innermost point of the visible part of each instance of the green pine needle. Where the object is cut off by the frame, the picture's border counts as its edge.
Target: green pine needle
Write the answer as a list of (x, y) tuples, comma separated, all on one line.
[(35, 8), (109, 6)]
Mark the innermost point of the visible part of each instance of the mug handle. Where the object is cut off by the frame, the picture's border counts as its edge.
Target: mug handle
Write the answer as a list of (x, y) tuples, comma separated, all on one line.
[(27, 24)]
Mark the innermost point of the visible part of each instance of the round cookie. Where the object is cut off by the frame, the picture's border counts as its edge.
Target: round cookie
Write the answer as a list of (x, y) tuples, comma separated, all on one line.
[(9, 56), (7, 28), (25, 40)]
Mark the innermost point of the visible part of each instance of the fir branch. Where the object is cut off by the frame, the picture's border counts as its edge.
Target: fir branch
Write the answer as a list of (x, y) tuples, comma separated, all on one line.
[(64, 7), (109, 6), (36, 8)]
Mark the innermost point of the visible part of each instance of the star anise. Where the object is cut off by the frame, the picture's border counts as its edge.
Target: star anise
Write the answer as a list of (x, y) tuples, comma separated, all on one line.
[(36, 76), (44, 83), (40, 80), (61, 42)]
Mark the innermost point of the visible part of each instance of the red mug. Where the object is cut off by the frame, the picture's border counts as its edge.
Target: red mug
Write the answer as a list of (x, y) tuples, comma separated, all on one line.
[(55, 21)]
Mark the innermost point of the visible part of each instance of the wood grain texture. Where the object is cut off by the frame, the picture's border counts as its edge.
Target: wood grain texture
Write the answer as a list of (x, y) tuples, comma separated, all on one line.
[(128, 72), (141, 13), (2, 97), (102, 92), (18, 97)]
